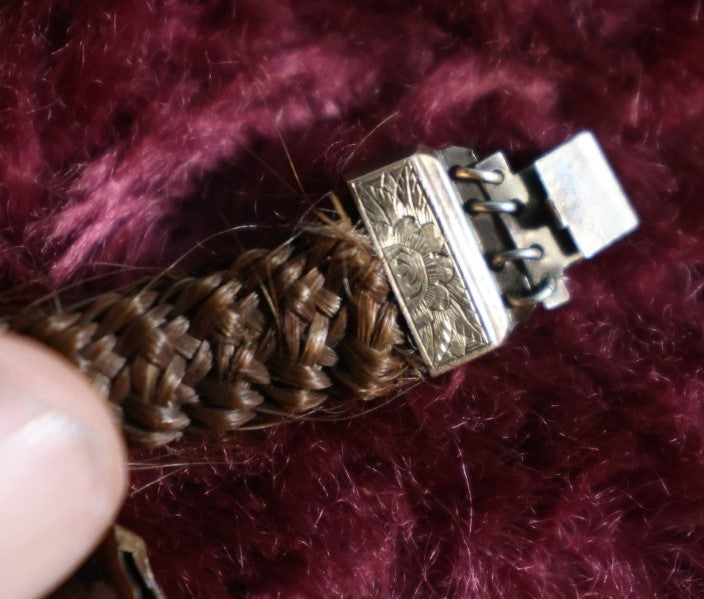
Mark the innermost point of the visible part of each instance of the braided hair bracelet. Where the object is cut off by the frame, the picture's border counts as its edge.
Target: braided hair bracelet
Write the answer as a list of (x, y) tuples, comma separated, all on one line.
[(450, 254)]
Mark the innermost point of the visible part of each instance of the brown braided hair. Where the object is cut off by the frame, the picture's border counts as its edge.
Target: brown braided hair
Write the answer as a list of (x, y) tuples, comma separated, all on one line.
[(273, 336)]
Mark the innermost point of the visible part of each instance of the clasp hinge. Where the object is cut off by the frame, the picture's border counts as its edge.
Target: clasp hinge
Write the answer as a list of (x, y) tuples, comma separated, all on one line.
[(566, 206)]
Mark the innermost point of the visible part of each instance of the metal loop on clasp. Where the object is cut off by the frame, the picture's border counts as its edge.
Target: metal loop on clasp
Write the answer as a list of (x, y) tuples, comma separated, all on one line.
[(533, 252), (486, 177), (466, 173), (493, 207), (538, 294)]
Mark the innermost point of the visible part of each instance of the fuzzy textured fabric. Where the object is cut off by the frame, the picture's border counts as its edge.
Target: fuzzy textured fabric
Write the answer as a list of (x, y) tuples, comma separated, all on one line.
[(570, 463)]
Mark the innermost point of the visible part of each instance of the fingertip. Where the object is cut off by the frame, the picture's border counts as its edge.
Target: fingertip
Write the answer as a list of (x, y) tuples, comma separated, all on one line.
[(62, 467)]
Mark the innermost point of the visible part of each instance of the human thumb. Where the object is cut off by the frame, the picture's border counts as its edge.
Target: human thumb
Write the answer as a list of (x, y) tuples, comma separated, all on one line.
[(62, 468)]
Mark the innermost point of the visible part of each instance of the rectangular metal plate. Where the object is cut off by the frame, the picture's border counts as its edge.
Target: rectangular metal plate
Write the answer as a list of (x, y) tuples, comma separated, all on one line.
[(432, 256), (584, 194)]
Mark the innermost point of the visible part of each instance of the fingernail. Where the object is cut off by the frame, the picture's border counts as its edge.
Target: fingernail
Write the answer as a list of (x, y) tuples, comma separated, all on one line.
[(46, 456)]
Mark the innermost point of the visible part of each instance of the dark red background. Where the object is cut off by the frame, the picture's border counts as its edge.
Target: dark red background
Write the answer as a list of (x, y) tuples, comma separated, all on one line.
[(570, 463)]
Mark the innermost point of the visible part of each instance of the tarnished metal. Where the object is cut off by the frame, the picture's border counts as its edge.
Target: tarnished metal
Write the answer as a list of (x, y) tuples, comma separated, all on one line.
[(470, 247), (128, 560)]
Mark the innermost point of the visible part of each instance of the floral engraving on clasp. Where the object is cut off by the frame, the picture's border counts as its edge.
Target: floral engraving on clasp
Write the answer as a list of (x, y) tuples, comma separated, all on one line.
[(439, 310)]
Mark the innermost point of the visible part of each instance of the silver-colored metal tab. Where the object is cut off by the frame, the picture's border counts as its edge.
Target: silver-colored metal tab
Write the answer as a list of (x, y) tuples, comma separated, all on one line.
[(584, 194), (470, 247)]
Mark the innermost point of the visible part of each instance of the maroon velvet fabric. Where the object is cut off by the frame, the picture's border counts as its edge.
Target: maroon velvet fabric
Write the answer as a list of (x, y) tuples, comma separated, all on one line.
[(570, 463)]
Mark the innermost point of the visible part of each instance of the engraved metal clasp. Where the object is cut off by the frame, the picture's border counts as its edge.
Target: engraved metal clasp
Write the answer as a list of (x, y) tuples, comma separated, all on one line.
[(470, 247)]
